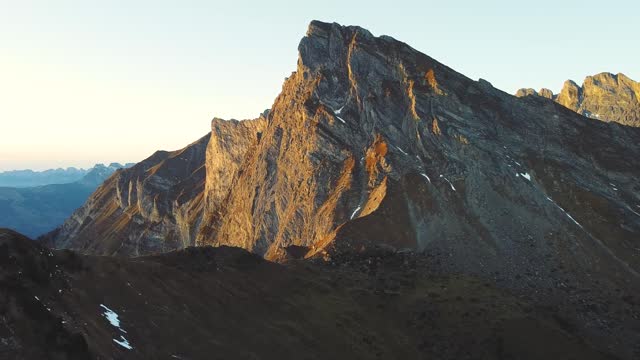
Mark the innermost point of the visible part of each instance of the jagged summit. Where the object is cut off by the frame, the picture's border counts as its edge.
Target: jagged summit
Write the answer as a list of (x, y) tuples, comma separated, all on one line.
[(604, 96)]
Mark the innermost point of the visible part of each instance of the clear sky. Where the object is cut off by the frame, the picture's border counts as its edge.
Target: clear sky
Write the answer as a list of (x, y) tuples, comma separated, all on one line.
[(89, 81)]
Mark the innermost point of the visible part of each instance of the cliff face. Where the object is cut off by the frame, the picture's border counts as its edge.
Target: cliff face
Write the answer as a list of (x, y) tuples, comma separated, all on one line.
[(604, 96), (229, 143), (369, 126), (157, 205)]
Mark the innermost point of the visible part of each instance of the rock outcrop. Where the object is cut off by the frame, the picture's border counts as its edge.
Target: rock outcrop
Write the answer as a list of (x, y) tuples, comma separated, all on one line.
[(604, 96), (225, 162), (154, 206), (157, 205)]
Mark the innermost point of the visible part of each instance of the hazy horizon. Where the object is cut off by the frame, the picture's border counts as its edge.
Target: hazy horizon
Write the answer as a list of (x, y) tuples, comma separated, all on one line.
[(92, 82)]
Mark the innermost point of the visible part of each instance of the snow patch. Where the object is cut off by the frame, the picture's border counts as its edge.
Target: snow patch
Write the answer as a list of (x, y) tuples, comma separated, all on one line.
[(111, 316), (337, 112), (113, 319), (571, 217), (402, 151), (450, 184), (341, 119), (355, 212), (566, 213), (124, 343), (426, 177), (632, 211), (526, 176)]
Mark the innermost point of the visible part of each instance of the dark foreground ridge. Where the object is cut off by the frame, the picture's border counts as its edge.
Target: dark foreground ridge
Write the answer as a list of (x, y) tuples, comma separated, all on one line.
[(226, 303)]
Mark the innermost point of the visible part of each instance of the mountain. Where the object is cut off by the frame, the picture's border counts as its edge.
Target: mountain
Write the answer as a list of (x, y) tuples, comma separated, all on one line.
[(204, 303), (373, 144), (604, 96), (157, 205), (37, 210), (153, 206), (30, 178)]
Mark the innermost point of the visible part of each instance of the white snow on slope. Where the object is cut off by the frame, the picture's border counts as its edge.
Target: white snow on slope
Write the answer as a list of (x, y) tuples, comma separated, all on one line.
[(111, 316), (565, 212), (402, 151), (124, 343), (113, 319), (355, 212), (450, 184), (628, 207), (426, 177)]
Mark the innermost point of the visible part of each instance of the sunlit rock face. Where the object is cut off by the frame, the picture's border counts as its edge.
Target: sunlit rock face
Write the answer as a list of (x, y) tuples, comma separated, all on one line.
[(371, 141), (225, 162), (604, 96)]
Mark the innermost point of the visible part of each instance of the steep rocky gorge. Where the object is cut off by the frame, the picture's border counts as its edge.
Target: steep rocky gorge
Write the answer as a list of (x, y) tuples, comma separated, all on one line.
[(603, 96)]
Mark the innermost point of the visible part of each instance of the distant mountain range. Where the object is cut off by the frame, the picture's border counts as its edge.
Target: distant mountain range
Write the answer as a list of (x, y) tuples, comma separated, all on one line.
[(38, 209), (30, 178)]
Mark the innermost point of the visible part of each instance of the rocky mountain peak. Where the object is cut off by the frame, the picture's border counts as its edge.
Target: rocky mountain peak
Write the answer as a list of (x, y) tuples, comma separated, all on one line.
[(604, 96), (546, 93), (372, 144)]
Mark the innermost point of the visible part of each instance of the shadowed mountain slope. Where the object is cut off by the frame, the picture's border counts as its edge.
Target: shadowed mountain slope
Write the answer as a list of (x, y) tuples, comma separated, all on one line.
[(377, 304)]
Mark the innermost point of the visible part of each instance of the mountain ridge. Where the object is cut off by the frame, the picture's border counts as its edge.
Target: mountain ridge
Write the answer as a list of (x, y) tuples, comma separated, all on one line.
[(39, 209), (31, 178)]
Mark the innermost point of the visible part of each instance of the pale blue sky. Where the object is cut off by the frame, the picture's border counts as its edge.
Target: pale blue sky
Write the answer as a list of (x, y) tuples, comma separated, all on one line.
[(100, 81)]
